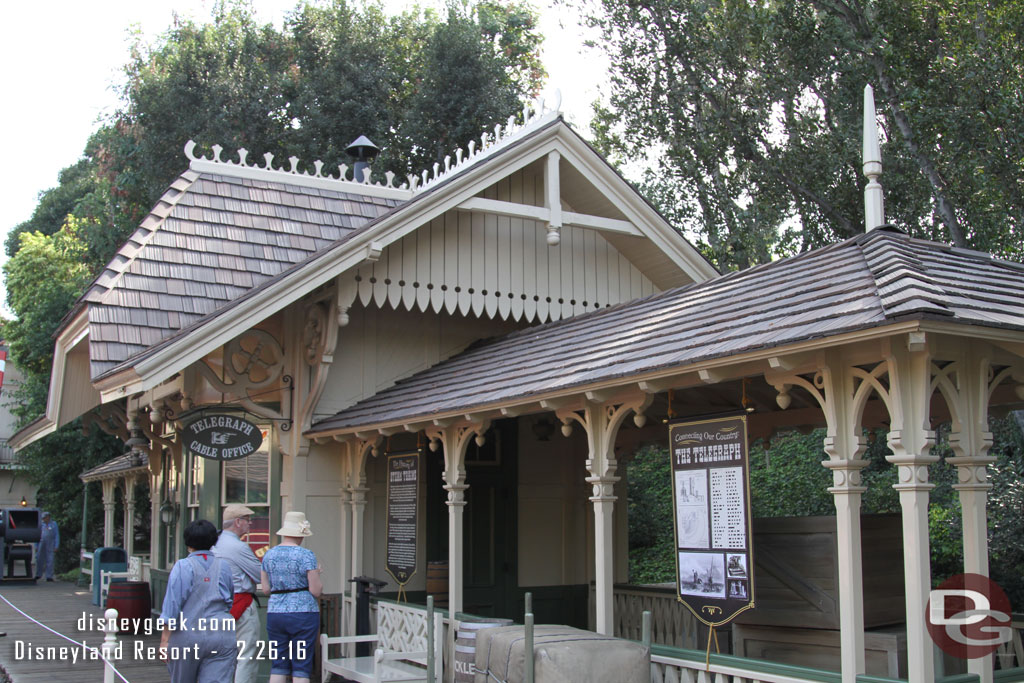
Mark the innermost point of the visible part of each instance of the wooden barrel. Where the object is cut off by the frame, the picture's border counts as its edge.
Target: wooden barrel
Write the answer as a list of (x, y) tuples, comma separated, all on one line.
[(465, 647), (437, 582), (131, 600)]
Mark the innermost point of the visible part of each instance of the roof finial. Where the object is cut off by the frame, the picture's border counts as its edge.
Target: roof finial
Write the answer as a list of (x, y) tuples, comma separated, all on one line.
[(874, 210)]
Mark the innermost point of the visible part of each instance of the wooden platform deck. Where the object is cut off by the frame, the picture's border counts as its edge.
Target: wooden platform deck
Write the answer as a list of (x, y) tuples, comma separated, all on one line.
[(60, 606)]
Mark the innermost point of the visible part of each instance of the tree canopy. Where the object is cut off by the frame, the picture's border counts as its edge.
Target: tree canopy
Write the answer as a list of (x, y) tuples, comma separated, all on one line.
[(419, 84), (753, 112)]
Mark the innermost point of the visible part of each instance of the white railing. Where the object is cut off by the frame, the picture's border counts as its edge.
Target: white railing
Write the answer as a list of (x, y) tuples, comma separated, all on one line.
[(674, 670), (107, 578), (86, 570)]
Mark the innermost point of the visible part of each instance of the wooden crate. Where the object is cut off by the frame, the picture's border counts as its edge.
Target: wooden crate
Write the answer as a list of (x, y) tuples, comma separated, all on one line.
[(885, 651), (796, 574)]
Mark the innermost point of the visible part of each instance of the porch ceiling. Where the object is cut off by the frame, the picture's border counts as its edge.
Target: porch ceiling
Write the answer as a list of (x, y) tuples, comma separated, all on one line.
[(878, 280)]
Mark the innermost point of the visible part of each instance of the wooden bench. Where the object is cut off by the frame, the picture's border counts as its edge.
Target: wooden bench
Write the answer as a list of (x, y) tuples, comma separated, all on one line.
[(404, 638)]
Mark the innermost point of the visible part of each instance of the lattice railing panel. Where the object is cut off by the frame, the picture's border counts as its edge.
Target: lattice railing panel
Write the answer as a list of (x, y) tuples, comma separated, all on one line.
[(402, 628)]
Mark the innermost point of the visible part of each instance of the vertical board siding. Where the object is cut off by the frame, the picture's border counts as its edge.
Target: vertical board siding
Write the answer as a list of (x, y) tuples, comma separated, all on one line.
[(500, 267)]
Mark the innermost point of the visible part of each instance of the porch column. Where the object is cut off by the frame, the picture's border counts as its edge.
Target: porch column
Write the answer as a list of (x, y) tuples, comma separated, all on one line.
[(357, 500), (910, 440), (109, 504), (345, 540), (847, 493), (970, 441), (842, 391), (454, 440), (601, 422), (129, 514)]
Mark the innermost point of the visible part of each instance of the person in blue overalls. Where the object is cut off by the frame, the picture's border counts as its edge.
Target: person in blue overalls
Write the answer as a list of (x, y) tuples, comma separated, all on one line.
[(49, 541), (198, 639)]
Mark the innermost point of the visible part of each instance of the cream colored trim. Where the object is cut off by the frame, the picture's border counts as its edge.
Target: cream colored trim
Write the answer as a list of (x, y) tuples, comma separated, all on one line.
[(540, 213), (281, 176), (31, 433)]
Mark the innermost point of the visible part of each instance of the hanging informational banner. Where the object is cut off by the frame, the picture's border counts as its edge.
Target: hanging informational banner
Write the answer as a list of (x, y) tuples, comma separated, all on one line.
[(403, 503), (711, 494), (223, 437)]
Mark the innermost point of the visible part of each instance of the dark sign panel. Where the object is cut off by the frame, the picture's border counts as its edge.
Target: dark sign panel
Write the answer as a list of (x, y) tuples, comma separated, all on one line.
[(711, 493), (223, 437), (403, 503)]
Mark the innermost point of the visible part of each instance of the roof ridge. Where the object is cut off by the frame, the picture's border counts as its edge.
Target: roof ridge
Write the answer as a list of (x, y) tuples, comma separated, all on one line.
[(891, 259), (534, 116)]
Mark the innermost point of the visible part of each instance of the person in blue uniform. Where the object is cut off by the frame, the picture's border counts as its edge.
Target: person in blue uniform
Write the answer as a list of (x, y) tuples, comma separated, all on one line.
[(292, 577), (49, 541), (199, 632)]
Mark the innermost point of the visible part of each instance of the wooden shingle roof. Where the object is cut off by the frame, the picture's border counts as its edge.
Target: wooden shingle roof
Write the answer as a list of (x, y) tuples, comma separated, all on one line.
[(875, 279), (210, 239), (117, 467)]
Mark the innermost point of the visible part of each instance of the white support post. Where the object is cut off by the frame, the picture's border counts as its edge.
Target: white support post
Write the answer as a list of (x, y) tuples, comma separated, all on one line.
[(454, 441), (970, 440), (357, 500), (344, 557), (109, 505), (602, 422), (129, 515), (847, 493), (109, 646), (911, 439), (841, 391)]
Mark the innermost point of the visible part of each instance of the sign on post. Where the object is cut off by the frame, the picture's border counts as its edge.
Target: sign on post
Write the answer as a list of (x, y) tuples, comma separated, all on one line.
[(711, 495), (223, 437), (403, 502)]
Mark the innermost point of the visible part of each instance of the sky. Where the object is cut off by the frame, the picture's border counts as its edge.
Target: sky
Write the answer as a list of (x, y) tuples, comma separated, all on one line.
[(61, 71)]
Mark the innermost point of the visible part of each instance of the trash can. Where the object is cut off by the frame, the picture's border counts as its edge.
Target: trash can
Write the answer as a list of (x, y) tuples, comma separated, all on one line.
[(109, 559)]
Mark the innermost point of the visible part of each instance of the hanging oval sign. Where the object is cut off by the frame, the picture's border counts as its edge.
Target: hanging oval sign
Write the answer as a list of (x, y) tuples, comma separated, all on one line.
[(223, 437)]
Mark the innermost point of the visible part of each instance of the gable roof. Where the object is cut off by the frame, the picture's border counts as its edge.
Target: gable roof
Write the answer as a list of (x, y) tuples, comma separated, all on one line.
[(871, 281), (137, 358), (211, 238)]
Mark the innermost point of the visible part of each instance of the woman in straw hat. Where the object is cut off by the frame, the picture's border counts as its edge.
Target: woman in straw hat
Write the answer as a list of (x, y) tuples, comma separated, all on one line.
[(292, 577)]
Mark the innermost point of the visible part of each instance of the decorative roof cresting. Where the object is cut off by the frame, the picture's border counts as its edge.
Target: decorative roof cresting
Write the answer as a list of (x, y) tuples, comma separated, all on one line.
[(534, 115)]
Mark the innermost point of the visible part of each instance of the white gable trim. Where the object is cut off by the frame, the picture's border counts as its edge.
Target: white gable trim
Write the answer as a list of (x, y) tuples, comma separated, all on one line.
[(73, 335), (157, 367)]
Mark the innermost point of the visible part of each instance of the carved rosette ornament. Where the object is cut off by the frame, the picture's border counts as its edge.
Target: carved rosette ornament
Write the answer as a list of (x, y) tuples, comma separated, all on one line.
[(253, 363)]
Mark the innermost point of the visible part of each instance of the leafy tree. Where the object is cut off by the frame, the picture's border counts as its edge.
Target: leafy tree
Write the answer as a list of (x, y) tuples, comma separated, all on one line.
[(651, 528), (418, 84), (43, 279), (753, 113)]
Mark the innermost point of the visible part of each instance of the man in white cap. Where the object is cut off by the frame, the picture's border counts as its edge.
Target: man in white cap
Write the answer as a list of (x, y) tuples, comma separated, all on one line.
[(245, 575)]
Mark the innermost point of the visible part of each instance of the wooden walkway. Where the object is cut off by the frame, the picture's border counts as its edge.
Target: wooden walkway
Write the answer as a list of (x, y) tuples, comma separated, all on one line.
[(60, 605)]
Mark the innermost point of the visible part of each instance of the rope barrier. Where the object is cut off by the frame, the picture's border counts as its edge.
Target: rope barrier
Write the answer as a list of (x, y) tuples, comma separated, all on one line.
[(106, 661)]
